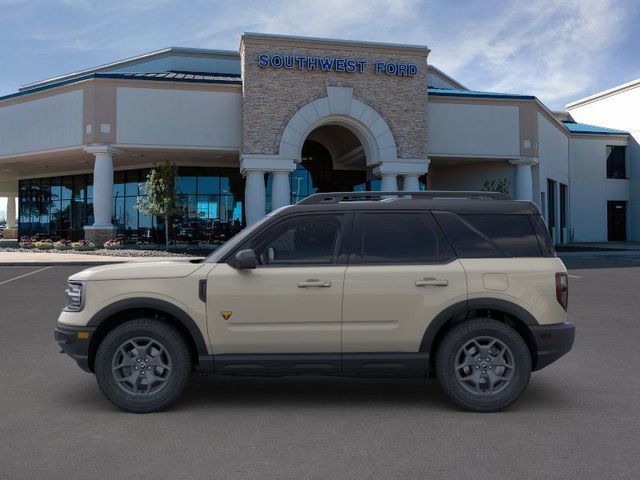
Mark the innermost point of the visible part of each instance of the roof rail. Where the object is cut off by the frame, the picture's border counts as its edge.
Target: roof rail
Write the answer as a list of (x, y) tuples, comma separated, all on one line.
[(337, 197)]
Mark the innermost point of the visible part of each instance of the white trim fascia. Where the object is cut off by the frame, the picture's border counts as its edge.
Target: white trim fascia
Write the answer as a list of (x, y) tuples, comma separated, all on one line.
[(605, 93), (154, 146), (42, 152)]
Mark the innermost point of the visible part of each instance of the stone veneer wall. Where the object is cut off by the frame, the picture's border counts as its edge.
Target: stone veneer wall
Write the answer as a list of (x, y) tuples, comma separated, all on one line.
[(271, 96)]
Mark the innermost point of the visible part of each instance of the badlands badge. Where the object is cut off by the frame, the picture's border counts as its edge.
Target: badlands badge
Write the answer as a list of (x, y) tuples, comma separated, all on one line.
[(226, 314)]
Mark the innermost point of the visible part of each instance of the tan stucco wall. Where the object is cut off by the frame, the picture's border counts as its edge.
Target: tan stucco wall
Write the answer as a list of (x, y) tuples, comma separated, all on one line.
[(271, 96)]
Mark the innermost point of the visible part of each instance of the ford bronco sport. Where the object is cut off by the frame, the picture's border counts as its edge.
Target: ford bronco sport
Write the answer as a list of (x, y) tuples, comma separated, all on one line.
[(463, 286)]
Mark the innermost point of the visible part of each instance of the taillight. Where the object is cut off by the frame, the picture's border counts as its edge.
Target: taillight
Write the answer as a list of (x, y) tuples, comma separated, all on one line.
[(562, 289)]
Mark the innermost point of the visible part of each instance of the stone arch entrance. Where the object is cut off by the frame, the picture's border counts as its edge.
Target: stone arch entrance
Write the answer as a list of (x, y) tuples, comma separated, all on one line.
[(336, 123)]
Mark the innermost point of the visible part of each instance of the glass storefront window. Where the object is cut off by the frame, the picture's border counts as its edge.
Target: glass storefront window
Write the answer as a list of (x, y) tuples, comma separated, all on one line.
[(60, 207)]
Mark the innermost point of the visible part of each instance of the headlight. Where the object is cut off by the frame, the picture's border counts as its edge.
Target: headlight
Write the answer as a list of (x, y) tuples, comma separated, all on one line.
[(75, 297)]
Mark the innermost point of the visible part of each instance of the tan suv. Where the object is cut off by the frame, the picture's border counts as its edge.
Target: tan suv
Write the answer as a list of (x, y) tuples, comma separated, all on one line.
[(465, 286)]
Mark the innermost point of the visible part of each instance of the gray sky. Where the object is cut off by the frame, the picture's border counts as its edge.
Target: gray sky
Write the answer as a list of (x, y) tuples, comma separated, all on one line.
[(557, 50)]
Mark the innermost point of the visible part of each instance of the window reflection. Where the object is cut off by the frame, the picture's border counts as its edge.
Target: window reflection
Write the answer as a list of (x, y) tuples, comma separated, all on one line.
[(210, 200)]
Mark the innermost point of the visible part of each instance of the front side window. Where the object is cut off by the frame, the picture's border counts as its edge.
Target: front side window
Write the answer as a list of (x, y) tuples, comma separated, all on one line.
[(308, 240), (616, 163), (400, 238)]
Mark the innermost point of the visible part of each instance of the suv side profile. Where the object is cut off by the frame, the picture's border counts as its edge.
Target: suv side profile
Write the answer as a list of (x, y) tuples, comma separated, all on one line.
[(463, 286)]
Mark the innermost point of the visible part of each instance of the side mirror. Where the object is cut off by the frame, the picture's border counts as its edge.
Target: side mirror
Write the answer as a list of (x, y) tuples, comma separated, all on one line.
[(244, 260)]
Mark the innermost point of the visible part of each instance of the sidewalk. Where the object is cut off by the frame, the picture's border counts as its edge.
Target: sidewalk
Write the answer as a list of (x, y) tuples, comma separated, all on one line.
[(37, 259)]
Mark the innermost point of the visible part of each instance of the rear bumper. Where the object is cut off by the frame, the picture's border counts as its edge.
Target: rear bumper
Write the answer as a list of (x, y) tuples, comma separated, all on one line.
[(552, 342), (74, 345)]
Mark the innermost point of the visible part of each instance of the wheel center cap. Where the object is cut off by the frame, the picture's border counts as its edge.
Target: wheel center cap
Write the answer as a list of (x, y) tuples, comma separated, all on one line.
[(483, 364)]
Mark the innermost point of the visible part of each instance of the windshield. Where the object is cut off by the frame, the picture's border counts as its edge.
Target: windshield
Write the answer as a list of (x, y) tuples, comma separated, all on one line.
[(240, 237)]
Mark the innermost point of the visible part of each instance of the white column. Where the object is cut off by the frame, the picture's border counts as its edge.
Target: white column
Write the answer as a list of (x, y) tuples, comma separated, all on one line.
[(410, 183), (524, 178), (103, 189), (254, 196), (389, 182), (11, 211), (280, 190)]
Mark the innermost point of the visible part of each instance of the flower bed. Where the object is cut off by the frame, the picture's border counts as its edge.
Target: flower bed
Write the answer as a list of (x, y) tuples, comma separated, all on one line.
[(43, 244), (113, 244), (61, 245), (83, 246)]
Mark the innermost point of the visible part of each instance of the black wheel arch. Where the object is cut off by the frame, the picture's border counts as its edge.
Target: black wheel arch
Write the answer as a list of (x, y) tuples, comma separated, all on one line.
[(502, 310), (121, 311)]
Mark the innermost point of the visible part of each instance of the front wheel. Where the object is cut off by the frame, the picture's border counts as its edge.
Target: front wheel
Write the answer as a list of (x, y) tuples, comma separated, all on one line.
[(483, 365), (143, 365)]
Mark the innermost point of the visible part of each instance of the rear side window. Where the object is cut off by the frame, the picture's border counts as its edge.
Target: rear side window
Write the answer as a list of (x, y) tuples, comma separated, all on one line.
[(467, 241), (399, 238), (481, 236), (513, 234)]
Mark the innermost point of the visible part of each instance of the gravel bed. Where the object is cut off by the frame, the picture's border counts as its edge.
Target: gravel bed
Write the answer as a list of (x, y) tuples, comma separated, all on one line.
[(104, 252)]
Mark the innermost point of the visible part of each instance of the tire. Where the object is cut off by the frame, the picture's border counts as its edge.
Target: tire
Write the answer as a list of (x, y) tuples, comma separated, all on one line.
[(471, 381), (143, 365)]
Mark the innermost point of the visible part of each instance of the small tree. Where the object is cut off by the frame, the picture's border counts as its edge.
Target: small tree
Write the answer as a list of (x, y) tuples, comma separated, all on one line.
[(160, 191), (500, 186)]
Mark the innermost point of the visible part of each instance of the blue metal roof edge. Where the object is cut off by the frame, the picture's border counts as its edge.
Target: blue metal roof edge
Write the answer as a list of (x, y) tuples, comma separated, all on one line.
[(445, 92), (593, 129), (127, 76)]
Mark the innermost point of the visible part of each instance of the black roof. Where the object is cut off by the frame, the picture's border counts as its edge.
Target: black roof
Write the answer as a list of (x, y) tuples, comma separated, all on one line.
[(457, 202)]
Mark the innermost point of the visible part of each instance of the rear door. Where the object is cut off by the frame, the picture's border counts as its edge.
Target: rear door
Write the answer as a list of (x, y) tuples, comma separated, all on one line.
[(401, 274)]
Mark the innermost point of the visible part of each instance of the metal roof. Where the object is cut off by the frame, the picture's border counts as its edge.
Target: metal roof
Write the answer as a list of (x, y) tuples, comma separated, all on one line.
[(450, 92), (224, 78), (585, 128)]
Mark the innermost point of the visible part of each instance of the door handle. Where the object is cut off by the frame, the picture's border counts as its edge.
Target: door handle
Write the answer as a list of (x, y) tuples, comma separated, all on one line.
[(432, 282), (313, 283)]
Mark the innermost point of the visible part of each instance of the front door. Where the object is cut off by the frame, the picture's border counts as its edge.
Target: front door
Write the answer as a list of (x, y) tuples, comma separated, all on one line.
[(617, 221), (401, 274), (291, 303)]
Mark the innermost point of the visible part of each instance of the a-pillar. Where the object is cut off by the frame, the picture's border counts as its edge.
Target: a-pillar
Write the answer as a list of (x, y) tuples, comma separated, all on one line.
[(102, 228), (524, 177)]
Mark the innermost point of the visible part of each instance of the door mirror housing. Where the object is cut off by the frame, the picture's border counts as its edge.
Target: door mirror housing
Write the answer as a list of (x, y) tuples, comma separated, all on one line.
[(244, 260)]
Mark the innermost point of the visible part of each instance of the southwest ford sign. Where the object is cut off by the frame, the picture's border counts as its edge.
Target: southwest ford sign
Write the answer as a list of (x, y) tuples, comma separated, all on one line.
[(331, 64)]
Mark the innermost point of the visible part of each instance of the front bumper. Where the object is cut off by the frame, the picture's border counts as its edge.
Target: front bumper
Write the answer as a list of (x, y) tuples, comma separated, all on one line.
[(75, 341), (552, 342)]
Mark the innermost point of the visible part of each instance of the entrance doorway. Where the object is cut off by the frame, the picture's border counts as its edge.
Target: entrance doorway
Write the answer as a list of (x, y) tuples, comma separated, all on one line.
[(617, 221), (333, 160)]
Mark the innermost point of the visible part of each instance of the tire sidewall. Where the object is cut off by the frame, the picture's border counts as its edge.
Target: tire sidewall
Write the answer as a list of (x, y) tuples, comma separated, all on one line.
[(457, 338), (178, 377)]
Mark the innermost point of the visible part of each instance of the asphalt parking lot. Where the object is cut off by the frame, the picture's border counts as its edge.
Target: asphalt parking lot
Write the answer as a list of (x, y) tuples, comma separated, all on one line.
[(579, 419)]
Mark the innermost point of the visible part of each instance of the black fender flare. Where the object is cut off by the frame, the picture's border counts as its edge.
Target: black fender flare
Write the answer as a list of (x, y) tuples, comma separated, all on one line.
[(156, 304), (466, 306)]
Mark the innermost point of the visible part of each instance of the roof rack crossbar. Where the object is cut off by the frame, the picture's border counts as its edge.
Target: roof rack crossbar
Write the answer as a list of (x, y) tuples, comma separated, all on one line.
[(337, 197)]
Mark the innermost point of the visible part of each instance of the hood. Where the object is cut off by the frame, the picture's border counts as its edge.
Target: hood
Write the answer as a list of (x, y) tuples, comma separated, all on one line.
[(134, 271)]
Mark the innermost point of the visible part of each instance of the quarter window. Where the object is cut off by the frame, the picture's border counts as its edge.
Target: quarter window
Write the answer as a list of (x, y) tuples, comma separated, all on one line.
[(514, 234), (405, 238), (300, 241)]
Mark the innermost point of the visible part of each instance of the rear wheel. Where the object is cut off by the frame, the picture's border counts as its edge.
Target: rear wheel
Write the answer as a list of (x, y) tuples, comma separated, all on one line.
[(483, 365), (143, 365)]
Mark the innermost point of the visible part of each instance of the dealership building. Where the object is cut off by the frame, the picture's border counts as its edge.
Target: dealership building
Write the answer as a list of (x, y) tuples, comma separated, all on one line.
[(284, 117)]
